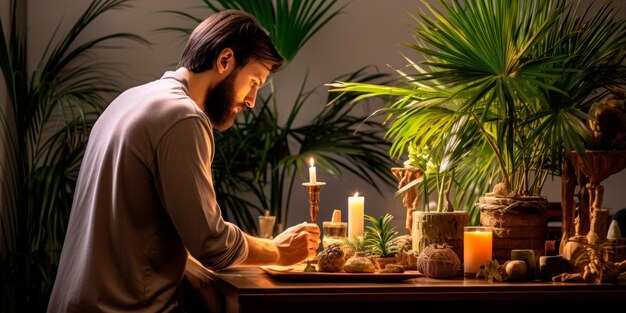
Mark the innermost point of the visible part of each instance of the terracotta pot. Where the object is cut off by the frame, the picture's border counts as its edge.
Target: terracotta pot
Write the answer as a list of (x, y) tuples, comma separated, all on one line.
[(381, 262)]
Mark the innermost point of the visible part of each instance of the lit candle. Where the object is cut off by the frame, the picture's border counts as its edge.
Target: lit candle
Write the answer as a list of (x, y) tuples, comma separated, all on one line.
[(356, 207), (312, 174), (477, 248)]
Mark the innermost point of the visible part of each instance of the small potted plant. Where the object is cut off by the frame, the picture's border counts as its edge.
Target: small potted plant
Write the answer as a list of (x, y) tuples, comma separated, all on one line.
[(354, 245), (379, 239), (436, 168)]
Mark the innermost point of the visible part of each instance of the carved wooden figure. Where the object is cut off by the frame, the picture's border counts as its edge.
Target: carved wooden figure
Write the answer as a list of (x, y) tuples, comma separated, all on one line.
[(585, 221), (410, 199)]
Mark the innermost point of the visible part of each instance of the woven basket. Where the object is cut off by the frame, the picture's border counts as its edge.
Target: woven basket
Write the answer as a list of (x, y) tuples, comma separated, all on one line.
[(517, 223), (438, 261)]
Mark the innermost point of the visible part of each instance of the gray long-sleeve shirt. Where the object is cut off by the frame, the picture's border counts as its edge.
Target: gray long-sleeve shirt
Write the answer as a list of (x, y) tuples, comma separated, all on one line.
[(144, 198)]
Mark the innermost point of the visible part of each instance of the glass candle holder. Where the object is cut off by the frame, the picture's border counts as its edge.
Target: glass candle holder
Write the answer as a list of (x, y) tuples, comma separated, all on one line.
[(334, 232), (266, 226), (477, 248)]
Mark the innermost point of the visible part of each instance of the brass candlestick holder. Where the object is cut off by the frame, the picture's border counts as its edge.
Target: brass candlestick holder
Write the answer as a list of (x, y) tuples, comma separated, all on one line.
[(314, 198)]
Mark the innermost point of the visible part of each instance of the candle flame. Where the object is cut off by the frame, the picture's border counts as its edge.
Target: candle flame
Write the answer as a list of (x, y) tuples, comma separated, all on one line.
[(356, 194), (312, 164)]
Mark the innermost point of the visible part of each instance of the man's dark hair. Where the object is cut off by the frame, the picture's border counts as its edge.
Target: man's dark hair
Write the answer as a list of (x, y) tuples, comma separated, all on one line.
[(232, 29)]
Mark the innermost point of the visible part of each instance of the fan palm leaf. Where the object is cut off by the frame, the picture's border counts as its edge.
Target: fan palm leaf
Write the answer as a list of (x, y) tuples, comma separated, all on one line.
[(291, 23), (596, 44)]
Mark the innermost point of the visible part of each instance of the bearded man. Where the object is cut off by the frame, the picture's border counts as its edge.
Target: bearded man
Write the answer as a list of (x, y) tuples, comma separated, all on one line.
[(144, 199)]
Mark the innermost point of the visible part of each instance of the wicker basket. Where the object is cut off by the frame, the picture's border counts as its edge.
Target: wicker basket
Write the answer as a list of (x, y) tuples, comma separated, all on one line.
[(517, 223), (438, 261)]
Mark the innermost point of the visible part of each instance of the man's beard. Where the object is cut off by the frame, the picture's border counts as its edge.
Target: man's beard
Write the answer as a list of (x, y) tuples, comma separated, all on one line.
[(219, 103)]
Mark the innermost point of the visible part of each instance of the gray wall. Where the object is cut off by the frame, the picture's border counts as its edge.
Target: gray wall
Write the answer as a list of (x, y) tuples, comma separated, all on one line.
[(369, 33)]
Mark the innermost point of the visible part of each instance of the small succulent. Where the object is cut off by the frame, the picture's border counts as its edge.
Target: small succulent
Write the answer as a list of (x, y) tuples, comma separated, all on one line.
[(309, 267), (380, 236), (354, 245)]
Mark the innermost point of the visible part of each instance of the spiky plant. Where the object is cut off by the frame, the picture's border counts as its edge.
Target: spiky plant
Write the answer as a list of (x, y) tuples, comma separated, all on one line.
[(379, 236), (355, 244)]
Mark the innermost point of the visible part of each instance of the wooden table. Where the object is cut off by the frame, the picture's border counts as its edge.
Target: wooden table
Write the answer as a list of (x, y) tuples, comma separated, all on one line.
[(249, 289)]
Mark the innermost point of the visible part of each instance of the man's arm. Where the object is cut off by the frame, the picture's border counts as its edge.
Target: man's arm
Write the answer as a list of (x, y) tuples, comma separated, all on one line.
[(294, 245)]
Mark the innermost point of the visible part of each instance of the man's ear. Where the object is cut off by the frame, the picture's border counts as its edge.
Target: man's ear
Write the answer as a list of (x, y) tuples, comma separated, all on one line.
[(225, 61)]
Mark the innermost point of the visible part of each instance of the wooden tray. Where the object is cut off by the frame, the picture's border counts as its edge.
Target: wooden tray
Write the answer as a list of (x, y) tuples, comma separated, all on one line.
[(296, 272)]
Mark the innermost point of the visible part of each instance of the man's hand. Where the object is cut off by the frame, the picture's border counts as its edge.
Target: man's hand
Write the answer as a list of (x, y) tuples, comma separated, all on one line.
[(294, 245), (297, 243)]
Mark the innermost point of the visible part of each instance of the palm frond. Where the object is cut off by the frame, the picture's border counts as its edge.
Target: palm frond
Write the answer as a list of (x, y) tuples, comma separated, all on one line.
[(291, 24)]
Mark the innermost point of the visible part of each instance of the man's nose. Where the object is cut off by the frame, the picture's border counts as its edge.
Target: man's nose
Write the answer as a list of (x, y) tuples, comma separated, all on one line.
[(250, 99), (250, 103)]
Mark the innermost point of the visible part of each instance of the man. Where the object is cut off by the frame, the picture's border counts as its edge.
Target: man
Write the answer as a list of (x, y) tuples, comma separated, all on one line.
[(145, 197)]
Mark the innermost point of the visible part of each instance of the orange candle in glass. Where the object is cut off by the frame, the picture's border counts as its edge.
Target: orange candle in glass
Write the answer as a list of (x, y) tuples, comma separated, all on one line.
[(477, 248)]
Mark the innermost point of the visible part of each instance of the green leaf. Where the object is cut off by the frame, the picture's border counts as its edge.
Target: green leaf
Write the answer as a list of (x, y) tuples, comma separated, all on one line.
[(290, 24)]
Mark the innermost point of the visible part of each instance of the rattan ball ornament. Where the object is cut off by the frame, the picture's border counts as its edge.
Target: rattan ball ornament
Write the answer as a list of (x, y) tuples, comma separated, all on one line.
[(438, 261)]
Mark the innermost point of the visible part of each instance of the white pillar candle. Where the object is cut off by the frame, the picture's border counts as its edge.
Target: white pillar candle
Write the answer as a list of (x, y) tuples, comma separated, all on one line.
[(312, 173), (356, 210)]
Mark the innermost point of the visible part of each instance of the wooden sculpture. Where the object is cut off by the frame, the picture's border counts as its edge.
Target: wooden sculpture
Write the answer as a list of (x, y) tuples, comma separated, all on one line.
[(585, 221), (410, 199)]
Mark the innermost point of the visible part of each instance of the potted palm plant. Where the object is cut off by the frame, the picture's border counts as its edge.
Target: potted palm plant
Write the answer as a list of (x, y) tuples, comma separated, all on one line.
[(261, 156), (519, 74), (45, 120)]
